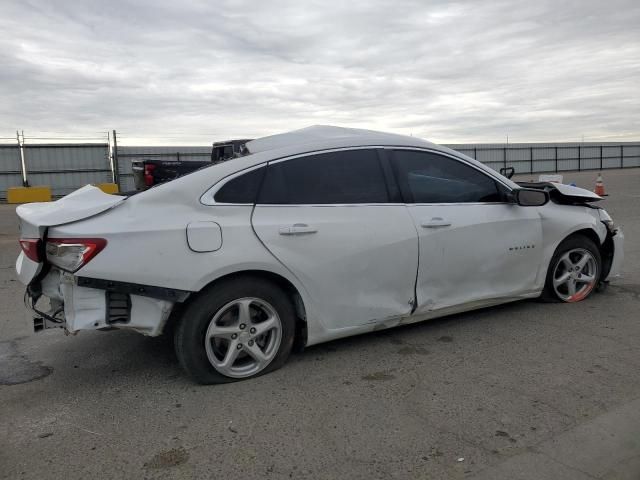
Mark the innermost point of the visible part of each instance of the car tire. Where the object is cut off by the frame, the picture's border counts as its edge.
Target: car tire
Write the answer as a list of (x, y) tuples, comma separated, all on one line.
[(247, 314), (574, 271)]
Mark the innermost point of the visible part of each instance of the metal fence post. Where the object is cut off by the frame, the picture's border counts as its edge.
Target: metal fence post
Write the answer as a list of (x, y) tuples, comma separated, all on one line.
[(621, 156), (475, 153), (504, 157), (23, 165), (116, 163), (556, 159), (600, 157), (530, 159), (579, 157)]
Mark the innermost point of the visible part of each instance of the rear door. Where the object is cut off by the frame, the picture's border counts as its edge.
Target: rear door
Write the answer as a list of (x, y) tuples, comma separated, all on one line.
[(329, 218), (474, 245)]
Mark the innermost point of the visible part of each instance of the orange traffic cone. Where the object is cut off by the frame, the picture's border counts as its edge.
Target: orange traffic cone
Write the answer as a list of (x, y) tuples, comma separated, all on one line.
[(599, 190)]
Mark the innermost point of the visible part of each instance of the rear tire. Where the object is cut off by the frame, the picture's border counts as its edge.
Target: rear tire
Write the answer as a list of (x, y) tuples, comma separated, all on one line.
[(238, 329), (574, 271)]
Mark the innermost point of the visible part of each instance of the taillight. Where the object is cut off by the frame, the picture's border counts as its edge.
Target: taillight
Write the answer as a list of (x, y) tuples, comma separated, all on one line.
[(31, 248), (72, 253), (148, 174)]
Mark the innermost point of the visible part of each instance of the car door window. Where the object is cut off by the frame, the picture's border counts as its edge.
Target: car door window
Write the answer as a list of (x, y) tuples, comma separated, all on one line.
[(426, 177), (241, 189), (342, 177)]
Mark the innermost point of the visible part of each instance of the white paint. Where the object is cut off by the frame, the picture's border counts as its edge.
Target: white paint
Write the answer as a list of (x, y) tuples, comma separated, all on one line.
[(359, 265), (354, 266), (482, 251), (572, 191), (204, 236), (83, 203), (618, 258), (26, 268), (85, 309)]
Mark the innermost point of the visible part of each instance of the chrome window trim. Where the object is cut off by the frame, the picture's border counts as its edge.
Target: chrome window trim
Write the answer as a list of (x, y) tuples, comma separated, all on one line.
[(207, 198), (453, 157), (300, 205), (330, 205), (320, 152)]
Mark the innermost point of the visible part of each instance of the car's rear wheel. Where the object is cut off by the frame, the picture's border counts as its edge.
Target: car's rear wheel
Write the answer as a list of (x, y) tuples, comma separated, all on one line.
[(235, 330), (574, 270)]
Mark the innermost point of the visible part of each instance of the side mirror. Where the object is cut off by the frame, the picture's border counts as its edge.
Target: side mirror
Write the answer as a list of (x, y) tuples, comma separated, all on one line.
[(531, 197), (507, 172)]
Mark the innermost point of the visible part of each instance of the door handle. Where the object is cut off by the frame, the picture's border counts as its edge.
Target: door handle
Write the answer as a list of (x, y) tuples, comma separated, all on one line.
[(297, 229), (435, 222)]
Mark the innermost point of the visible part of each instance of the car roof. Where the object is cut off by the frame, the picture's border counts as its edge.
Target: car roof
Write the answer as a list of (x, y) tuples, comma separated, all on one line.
[(326, 137), (322, 137), (297, 142)]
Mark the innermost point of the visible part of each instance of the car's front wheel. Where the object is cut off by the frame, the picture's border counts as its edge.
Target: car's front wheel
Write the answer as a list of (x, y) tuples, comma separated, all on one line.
[(235, 330), (574, 271)]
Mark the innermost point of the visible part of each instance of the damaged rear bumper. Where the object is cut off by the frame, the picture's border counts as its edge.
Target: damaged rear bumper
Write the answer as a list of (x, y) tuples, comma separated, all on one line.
[(75, 306)]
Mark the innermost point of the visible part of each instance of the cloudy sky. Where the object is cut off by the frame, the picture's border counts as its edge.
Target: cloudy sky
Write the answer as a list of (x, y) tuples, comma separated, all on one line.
[(193, 71)]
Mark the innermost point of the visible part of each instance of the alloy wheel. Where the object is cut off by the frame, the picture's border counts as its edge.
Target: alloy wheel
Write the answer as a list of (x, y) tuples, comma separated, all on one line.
[(243, 337), (575, 275)]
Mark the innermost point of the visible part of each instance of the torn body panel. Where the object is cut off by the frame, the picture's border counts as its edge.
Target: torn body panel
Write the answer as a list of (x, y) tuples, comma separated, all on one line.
[(617, 258), (88, 308)]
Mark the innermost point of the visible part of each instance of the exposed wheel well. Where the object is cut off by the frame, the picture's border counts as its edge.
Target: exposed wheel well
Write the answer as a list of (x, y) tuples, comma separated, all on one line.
[(283, 283), (589, 233), (606, 248)]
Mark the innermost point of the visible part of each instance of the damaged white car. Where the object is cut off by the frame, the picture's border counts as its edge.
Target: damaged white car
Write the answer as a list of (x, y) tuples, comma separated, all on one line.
[(306, 237)]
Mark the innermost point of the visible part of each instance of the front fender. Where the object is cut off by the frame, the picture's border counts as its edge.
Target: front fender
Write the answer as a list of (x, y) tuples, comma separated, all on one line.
[(560, 222)]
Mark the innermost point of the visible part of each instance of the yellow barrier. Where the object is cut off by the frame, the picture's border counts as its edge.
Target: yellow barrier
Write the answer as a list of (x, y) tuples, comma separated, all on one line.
[(108, 187), (28, 194)]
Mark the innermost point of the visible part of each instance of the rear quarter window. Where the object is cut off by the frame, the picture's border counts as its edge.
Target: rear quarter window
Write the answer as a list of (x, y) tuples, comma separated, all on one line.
[(242, 189)]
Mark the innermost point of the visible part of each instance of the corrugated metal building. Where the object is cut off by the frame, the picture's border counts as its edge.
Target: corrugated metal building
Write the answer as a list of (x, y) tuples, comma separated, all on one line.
[(67, 167)]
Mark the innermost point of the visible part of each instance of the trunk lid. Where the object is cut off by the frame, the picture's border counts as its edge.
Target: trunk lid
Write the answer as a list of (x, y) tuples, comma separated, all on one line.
[(36, 217), (83, 203)]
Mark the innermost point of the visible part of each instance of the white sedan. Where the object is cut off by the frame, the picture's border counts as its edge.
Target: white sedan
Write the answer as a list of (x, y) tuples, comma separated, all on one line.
[(308, 236)]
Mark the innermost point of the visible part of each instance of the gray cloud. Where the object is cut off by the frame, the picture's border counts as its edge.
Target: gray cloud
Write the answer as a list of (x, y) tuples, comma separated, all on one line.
[(195, 71)]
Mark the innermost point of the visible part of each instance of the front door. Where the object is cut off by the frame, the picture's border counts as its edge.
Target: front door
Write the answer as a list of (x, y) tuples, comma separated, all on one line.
[(474, 245)]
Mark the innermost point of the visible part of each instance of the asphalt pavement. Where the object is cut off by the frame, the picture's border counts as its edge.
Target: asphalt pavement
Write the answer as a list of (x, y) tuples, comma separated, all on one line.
[(521, 391)]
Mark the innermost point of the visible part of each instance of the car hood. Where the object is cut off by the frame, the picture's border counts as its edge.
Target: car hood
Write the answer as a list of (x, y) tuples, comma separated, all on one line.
[(577, 192), (82, 203), (564, 193)]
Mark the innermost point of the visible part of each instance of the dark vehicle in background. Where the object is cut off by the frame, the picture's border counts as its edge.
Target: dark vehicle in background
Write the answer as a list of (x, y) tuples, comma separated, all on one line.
[(150, 172)]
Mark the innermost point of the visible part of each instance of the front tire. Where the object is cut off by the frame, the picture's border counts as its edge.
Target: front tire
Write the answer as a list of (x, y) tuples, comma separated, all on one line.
[(574, 271), (234, 330)]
